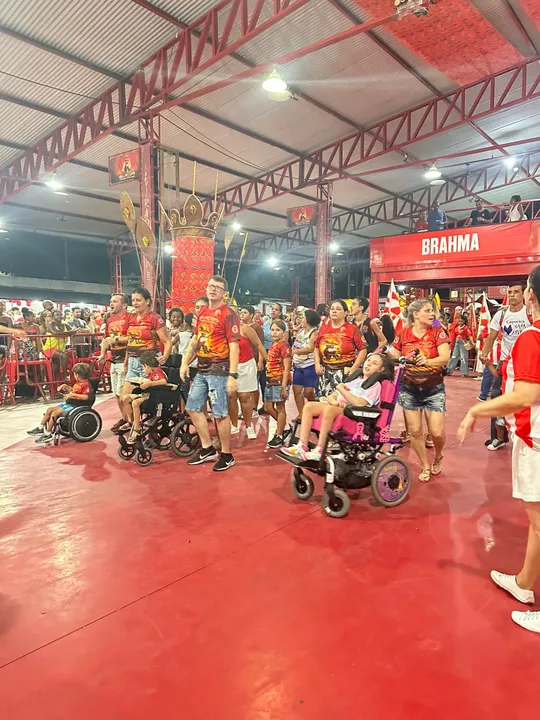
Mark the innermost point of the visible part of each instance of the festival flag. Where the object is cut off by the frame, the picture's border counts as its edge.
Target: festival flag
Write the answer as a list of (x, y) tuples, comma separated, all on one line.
[(393, 308), (437, 300)]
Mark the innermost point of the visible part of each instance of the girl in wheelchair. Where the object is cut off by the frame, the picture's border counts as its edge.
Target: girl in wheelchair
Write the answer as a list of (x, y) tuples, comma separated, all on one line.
[(364, 390), (154, 377), (80, 394)]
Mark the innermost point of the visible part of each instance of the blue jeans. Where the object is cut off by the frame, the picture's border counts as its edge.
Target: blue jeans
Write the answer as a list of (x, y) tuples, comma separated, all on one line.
[(460, 354), (212, 388), (487, 382)]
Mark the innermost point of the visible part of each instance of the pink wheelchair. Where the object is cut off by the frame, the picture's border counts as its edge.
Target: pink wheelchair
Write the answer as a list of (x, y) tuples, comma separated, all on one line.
[(354, 457)]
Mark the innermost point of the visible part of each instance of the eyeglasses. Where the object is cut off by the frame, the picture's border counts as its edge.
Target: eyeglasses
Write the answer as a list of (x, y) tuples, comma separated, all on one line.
[(211, 286)]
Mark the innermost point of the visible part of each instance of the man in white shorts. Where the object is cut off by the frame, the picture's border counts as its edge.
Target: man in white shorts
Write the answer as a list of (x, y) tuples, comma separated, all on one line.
[(115, 340), (520, 404)]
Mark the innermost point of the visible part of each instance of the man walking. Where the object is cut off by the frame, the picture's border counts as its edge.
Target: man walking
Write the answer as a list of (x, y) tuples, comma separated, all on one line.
[(116, 340), (510, 322), (215, 343)]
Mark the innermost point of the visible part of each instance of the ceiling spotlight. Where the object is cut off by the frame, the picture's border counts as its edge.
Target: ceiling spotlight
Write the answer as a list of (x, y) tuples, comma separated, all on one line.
[(60, 192), (280, 96), (272, 261), (433, 173), (54, 184), (509, 161), (333, 247), (339, 253), (277, 267), (2, 230), (439, 181), (274, 83), (515, 168), (236, 226), (168, 249)]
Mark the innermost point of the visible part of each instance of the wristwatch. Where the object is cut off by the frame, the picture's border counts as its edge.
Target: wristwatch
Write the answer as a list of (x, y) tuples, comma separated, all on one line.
[(234, 375)]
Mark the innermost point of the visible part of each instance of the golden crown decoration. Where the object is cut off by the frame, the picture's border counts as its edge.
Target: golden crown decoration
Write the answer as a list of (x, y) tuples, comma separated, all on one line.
[(190, 219)]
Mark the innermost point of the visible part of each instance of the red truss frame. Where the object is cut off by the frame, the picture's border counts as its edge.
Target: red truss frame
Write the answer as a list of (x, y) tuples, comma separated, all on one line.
[(496, 92)]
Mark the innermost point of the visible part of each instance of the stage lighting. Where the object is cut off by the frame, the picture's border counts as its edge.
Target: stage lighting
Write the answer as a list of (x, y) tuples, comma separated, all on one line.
[(274, 83), (433, 173), (54, 183)]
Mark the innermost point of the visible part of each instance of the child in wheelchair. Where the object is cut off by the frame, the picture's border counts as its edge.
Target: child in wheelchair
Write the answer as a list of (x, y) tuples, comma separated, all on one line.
[(154, 376), (363, 391), (78, 395)]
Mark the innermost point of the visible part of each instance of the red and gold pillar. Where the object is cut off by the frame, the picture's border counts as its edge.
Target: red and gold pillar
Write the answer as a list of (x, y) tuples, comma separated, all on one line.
[(193, 252), (147, 195)]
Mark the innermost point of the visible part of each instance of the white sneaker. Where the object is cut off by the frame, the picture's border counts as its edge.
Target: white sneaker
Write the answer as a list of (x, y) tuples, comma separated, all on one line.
[(528, 620), (251, 434), (508, 583), (313, 455), (234, 430)]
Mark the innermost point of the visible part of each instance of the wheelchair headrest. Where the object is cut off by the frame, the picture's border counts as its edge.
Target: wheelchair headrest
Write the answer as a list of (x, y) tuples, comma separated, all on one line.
[(94, 384)]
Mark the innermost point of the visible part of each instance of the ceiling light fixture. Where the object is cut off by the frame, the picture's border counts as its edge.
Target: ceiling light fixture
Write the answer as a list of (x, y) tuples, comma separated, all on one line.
[(433, 173), (274, 83), (54, 183), (168, 249), (2, 230), (509, 161), (272, 261), (60, 192), (333, 247), (236, 226), (439, 181)]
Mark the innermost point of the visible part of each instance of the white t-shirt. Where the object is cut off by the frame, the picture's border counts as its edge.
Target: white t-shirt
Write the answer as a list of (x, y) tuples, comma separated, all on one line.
[(513, 324), (372, 395)]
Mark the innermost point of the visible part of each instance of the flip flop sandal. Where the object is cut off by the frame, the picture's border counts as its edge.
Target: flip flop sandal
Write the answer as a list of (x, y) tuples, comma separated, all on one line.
[(425, 475), (436, 468)]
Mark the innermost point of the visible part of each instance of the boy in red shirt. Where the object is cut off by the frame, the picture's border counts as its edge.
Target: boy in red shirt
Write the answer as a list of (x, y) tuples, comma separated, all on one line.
[(460, 336), (75, 396), (154, 376), (278, 372)]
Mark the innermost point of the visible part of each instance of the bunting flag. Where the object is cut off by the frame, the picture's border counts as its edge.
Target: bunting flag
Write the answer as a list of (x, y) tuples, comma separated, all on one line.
[(392, 307), (437, 300), (483, 320), (472, 319)]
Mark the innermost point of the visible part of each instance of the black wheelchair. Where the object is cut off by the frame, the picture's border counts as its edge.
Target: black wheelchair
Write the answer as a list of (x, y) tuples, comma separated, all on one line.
[(82, 423), (163, 426)]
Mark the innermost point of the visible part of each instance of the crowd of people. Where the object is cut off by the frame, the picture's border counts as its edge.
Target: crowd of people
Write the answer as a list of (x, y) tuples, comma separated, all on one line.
[(436, 219)]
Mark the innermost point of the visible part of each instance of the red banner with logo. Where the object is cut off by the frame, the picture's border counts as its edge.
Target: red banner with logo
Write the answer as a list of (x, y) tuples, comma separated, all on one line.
[(192, 265), (470, 246), (125, 167)]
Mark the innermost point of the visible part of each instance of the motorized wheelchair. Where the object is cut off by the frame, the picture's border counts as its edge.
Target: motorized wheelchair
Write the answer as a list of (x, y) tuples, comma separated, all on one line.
[(163, 426), (353, 456), (82, 423)]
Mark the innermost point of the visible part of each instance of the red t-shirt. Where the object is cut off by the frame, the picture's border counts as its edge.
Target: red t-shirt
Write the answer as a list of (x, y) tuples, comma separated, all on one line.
[(246, 350), (156, 374), (275, 367), (142, 333), (82, 387), (462, 332), (216, 329), (428, 346), (338, 347), (523, 365), (421, 225), (117, 326)]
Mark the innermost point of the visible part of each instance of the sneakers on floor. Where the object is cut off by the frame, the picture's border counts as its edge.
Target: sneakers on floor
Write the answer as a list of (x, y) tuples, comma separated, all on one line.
[(225, 462), (275, 442), (204, 455), (509, 583), (481, 399), (528, 620), (44, 439), (296, 451), (36, 431), (496, 444), (428, 441), (234, 430), (250, 433)]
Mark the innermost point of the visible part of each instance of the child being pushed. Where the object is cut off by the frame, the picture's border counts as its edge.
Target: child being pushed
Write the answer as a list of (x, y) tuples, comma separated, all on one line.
[(362, 391), (75, 396), (153, 377)]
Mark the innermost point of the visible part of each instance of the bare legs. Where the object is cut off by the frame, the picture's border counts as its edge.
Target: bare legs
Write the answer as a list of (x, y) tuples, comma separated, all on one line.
[(301, 396), (435, 423), (314, 409), (278, 412), (530, 571), (413, 422)]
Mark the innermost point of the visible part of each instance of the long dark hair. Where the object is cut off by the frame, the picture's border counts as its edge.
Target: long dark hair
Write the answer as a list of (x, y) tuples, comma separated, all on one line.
[(388, 329), (143, 292), (534, 282), (387, 373)]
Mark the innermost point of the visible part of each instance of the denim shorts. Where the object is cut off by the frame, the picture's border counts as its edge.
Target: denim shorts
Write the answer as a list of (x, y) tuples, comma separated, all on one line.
[(211, 388), (135, 368), (416, 397), (305, 377), (272, 393)]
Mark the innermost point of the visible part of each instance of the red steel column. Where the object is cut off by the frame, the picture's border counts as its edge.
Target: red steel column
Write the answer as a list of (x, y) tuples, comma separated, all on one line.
[(324, 224), (147, 194)]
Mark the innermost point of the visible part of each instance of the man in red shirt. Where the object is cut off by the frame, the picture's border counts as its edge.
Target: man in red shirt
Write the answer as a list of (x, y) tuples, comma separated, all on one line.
[(215, 344)]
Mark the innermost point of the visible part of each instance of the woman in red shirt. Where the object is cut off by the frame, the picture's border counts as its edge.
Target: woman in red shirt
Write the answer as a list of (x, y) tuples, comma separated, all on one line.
[(422, 386), (460, 336), (339, 349), (146, 331), (520, 404)]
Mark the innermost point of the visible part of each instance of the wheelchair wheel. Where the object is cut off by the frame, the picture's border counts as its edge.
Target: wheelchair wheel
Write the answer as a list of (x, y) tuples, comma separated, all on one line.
[(56, 439), (63, 426), (391, 481), (337, 506), (145, 457), (302, 485), (126, 453), (183, 442), (85, 425)]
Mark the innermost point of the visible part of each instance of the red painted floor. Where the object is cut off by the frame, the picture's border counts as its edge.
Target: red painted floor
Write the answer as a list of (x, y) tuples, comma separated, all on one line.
[(171, 592)]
